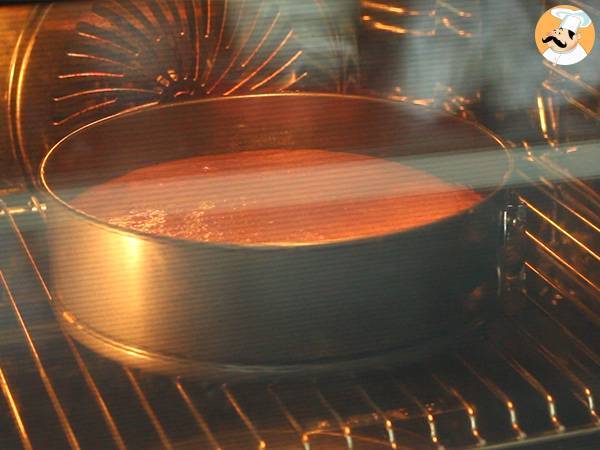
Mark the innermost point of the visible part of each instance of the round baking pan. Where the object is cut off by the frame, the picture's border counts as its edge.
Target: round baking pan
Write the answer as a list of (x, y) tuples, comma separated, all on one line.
[(230, 310)]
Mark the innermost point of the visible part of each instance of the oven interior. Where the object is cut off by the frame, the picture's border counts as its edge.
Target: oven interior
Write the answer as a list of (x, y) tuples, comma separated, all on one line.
[(528, 378)]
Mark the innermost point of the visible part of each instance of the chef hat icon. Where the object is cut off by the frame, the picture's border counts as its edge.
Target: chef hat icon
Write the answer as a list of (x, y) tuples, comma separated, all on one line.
[(572, 19)]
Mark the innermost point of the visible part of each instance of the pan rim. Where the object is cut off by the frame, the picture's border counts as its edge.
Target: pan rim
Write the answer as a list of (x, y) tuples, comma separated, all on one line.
[(130, 232)]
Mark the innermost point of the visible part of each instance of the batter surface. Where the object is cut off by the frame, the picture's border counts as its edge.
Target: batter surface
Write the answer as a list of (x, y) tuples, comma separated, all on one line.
[(275, 197)]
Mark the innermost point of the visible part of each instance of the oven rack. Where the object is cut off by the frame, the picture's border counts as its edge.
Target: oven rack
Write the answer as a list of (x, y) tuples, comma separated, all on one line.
[(533, 378)]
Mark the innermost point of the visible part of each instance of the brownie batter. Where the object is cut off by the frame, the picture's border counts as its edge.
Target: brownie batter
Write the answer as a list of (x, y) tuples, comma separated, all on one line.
[(284, 197)]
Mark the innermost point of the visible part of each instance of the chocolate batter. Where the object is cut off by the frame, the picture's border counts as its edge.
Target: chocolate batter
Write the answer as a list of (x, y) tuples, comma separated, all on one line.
[(281, 197)]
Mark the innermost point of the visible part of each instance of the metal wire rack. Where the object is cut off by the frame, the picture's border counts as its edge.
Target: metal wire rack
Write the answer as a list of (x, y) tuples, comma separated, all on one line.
[(532, 378)]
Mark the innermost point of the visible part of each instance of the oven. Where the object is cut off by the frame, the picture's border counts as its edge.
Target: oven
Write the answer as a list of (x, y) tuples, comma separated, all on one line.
[(473, 329)]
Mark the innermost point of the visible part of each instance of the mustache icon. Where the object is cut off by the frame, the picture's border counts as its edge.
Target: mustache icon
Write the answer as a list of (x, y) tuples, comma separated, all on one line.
[(555, 40)]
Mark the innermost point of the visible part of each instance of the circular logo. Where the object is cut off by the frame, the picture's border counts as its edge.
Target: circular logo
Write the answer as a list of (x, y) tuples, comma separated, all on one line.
[(565, 35)]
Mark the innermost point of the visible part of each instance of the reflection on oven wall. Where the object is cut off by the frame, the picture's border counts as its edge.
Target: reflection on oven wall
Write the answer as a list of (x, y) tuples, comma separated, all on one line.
[(11, 22), (471, 57), (454, 51), (324, 32), (77, 64), (422, 49), (199, 49), (474, 56)]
